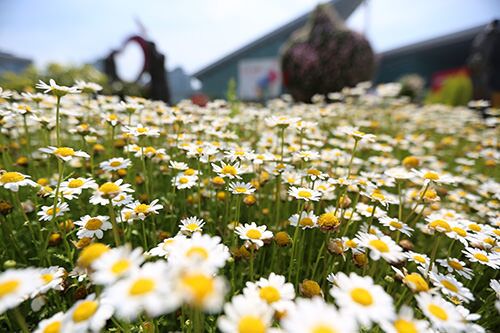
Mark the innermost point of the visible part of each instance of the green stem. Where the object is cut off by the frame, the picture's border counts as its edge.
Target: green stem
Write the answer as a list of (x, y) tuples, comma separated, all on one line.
[(20, 320), (112, 216)]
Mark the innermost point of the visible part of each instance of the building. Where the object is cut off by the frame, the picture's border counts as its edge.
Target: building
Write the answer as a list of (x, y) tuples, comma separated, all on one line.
[(428, 58), (256, 65), (12, 63)]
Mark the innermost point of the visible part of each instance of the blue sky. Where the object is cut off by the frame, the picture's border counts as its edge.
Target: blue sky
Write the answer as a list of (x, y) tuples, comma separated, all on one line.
[(194, 33)]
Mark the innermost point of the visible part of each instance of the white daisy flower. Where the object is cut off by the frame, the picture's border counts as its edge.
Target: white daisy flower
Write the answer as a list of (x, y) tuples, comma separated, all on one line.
[(307, 220), (245, 314), (47, 212), (454, 265), (443, 315), (433, 176), (115, 164), (141, 131), (315, 315), (396, 225), (16, 285), (93, 226), (405, 322), (164, 248), (147, 289), (241, 188), (56, 89), (274, 290), (181, 166), (303, 193), (202, 251), (199, 288), (182, 181), (253, 234), (361, 298), (191, 224), (230, 171), (65, 153), (51, 325), (451, 287), (74, 186), (53, 278), (12, 180), (141, 210), (482, 257), (381, 246), (89, 314), (115, 264), (108, 191)]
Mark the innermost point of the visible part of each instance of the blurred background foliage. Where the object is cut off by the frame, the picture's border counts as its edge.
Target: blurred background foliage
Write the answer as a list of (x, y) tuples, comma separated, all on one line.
[(67, 75), (456, 90)]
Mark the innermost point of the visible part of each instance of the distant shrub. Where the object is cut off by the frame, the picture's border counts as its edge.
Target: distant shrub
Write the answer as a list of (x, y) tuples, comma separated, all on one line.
[(324, 56)]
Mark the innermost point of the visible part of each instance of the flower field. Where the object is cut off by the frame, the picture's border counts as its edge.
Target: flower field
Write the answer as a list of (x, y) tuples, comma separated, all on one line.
[(366, 214)]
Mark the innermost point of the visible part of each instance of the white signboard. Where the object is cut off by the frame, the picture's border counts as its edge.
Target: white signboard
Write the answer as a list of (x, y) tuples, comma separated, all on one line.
[(259, 78)]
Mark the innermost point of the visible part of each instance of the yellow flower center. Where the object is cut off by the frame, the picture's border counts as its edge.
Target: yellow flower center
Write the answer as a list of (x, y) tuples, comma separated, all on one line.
[(115, 164), (481, 257), (459, 231), (396, 224), (197, 251), (306, 221), (142, 130), (440, 225), (50, 211), (93, 224), (431, 175), (150, 150), (142, 208), (313, 172), (54, 327), (251, 324), (109, 188), (189, 172), (351, 243), (378, 195), (75, 183), (362, 296), (120, 266), (241, 189), (254, 234), (455, 265), (12, 177), (419, 258), (437, 311), (269, 294), (229, 169), (142, 286), (474, 227), (450, 286), (200, 286), (192, 226), (380, 245), (84, 311), (47, 278), (416, 281), (91, 253), (405, 326), (304, 194), (64, 151), (183, 180), (8, 287), (321, 328)]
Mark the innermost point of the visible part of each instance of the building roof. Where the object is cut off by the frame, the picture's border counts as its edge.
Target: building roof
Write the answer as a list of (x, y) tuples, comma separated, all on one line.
[(442, 40), (343, 7)]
